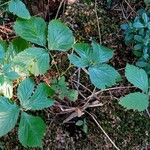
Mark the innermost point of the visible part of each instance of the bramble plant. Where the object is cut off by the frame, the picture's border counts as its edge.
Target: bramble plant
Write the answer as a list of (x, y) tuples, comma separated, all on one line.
[(31, 128), (31, 55), (137, 34), (94, 58), (137, 100)]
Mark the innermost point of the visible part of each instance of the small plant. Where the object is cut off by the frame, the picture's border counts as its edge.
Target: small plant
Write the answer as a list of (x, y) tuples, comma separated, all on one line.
[(83, 125), (137, 34), (137, 100), (31, 97), (31, 55), (94, 58)]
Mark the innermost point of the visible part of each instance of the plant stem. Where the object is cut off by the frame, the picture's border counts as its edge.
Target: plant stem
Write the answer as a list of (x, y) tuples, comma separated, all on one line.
[(4, 4), (98, 25), (54, 63)]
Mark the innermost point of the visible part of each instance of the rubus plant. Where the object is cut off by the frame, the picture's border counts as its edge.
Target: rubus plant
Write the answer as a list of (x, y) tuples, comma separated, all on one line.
[(137, 100), (94, 58), (30, 55), (31, 97), (137, 34)]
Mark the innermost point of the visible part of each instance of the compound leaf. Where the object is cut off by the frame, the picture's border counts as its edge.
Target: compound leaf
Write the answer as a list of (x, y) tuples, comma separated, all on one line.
[(31, 130), (17, 7), (103, 76), (60, 37), (32, 30), (90, 56), (32, 98), (137, 101), (9, 113), (137, 77)]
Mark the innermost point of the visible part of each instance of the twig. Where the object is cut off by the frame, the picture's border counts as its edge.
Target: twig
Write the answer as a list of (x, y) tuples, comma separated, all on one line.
[(148, 113), (6, 29), (4, 4), (98, 25), (60, 5), (130, 7), (78, 81), (115, 88), (102, 130), (83, 86)]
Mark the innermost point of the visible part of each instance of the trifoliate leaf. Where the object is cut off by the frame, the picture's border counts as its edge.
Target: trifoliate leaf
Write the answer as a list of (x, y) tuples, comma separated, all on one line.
[(136, 101), (31, 130), (35, 60), (9, 113), (17, 7), (100, 53), (60, 37), (32, 30), (61, 88), (90, 56), (32, 97), (137, 77), (103, 76)]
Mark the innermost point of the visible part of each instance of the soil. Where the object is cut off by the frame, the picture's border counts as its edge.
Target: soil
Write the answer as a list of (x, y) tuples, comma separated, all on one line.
[(128, 129)]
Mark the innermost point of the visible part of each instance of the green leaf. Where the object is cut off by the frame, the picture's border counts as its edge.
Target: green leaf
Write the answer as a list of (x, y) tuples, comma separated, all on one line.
[(8, 115), (17, 7), (79, 123), (61, 88), (84, 51), (60, 37), (32, 30), (3, 48), (136, 101), (31, 130), (137, 77), (101, 54), (1, 80), (103, 76), (145, 18), (9, 73), (35, 60), (32, 98), (138, 25)]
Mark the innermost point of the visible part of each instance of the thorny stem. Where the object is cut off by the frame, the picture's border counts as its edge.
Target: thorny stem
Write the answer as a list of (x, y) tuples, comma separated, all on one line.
[(102, 130)]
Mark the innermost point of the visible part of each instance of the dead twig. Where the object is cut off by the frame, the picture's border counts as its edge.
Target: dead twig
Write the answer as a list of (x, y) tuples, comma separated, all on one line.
[(102, 130)]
